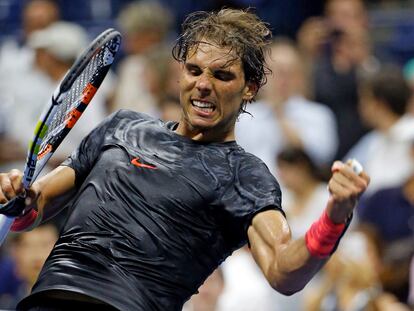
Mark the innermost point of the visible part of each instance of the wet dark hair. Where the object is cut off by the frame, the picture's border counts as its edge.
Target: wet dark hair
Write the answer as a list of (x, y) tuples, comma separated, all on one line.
[(242, 31)]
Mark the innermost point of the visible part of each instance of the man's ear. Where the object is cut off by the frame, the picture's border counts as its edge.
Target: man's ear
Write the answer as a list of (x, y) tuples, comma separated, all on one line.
[(250, 91)]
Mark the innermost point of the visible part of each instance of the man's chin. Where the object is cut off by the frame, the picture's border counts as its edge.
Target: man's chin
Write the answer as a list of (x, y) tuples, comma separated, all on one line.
[(202, 125)]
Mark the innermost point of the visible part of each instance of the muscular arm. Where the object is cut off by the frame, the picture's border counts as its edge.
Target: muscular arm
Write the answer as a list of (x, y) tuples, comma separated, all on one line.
[(286, 263), (54, 190)]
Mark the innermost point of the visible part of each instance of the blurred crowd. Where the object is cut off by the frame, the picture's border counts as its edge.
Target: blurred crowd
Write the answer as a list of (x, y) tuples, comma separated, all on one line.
[(332, 95)]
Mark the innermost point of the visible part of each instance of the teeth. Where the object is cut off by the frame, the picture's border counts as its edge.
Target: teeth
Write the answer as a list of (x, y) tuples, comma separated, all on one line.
[(203, 104)]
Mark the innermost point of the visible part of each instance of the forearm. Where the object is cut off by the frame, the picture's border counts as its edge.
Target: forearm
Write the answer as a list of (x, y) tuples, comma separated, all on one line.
[(289, 267), (295, 266), (54, 190)]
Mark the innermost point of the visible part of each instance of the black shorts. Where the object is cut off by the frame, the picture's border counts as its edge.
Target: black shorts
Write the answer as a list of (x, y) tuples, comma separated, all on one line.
[(46, 303)]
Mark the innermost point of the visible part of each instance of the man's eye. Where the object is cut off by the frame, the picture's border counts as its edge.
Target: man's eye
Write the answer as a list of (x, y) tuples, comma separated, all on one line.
[(224, 76), (194, 71)]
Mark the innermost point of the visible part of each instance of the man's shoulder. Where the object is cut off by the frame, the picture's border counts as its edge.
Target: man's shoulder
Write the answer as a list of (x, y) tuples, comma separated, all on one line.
[(128, 121), (250, 157), (129, 118), (251, 164), (132, 115), (233, 157)]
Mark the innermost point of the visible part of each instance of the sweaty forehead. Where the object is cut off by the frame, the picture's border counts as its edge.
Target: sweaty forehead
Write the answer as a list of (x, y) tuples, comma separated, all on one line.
[(212, 55)]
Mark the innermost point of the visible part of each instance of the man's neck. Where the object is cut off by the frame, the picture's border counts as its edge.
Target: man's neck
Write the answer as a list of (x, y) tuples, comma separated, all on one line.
[(204, 135)]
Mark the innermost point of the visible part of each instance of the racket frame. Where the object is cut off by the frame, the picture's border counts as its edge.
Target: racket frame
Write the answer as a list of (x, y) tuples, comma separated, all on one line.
[(38, 154)]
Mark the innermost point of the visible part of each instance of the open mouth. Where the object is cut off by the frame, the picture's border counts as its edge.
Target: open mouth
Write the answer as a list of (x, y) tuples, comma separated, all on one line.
[(203, 106)]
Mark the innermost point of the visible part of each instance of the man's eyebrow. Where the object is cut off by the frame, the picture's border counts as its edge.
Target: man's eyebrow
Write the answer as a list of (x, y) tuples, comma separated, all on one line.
[(224, 70), (226, 66), (187, 64)]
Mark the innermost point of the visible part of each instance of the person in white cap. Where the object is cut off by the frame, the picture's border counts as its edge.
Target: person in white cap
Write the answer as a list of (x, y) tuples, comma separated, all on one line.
[(55, 49)]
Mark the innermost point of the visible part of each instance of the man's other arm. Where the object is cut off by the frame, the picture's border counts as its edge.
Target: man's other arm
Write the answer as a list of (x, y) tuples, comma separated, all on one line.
[(289, 264)]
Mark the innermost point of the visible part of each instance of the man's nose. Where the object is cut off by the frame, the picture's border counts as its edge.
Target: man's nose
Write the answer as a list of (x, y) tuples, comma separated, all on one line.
[(203, 84)]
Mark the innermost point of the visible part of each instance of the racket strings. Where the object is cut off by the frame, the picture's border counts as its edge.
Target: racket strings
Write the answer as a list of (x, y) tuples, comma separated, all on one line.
[(72, 98)]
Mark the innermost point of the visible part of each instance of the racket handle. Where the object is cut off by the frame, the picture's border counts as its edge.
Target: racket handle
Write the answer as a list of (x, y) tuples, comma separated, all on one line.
[(14, 207), (5, 224), (10, 210)]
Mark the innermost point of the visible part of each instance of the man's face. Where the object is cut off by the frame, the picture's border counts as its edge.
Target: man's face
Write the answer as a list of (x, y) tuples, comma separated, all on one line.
[(213, 88)]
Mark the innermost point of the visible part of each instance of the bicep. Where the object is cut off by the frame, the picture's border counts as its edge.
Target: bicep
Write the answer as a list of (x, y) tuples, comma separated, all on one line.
[(268, 233), (286, 263)]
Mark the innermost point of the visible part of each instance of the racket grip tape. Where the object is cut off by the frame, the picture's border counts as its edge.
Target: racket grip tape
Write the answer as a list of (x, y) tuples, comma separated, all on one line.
[(14, 207), (10, 210)]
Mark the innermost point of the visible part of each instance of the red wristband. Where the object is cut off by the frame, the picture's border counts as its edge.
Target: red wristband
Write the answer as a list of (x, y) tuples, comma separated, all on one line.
[(21, 223), (322, 236)]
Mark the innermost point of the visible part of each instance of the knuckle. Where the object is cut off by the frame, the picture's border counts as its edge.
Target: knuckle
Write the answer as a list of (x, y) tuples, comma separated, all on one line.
[(7, 188), (14, 174)]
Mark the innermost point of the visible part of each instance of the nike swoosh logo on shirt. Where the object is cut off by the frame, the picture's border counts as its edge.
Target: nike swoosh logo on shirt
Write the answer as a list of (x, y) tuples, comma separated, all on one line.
[(135, 161)]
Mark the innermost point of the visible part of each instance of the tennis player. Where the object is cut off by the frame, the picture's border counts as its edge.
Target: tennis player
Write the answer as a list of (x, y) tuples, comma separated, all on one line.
[(155, 207)]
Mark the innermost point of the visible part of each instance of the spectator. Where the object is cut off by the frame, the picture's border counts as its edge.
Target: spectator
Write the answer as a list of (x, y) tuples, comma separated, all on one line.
[(350, 281), (387, 216), (14, 53), (16, 68), (314, 33), (29, 251), (305, 188), (346, 55), (249, 291), (284, 117), (157, 71), (55, 49), (145, 27), (384, 98)]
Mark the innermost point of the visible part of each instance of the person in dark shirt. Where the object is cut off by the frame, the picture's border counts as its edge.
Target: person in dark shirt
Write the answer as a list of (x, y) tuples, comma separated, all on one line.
[(155, 207), (387, 217)]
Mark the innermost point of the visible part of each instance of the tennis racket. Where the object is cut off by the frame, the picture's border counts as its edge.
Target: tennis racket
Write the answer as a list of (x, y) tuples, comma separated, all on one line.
[(64, 109)]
